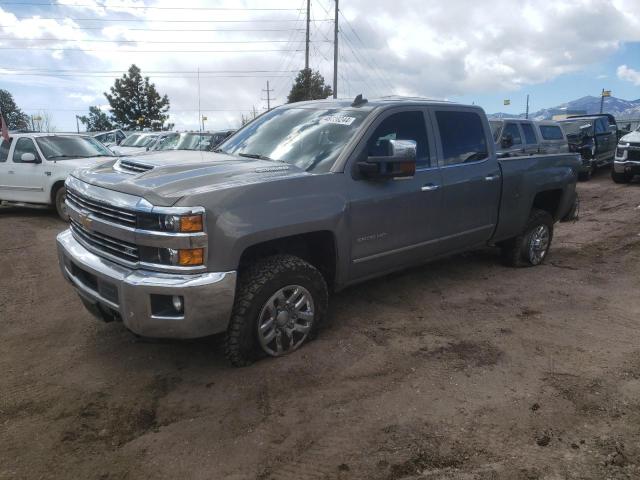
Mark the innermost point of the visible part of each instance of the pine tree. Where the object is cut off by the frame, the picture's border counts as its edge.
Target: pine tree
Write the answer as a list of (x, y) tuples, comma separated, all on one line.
[(309, 85), (135, 102), (96, 121), (14, 117)]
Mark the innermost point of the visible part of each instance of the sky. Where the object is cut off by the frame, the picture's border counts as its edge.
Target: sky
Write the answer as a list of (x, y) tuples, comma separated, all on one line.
[(59, 56)]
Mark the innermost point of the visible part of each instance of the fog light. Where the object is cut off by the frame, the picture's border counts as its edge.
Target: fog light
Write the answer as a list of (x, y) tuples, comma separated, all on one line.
[(191, 256), (177, 303)]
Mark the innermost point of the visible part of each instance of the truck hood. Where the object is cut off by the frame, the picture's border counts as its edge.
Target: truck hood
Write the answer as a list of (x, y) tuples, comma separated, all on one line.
[(631, 137), (128, 150), (165, 177)]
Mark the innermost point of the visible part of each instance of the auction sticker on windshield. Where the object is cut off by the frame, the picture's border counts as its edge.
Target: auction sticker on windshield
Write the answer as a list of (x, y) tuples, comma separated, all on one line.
[(337, 119)]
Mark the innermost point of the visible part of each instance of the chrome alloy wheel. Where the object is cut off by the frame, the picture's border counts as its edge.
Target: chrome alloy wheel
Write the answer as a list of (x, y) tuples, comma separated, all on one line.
[(285, 320), (538, 244)]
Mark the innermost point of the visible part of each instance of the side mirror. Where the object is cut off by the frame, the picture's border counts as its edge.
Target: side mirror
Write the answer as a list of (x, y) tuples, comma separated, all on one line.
[(399, 161), (507, 141), (29, 158)]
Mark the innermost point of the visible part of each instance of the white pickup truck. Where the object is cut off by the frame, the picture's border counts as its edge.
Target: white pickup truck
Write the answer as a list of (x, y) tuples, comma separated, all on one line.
[(34, 166)]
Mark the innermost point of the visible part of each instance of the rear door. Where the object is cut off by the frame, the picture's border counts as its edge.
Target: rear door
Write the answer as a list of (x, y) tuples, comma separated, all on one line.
[(395, 222), (470, 177), (531, 144), (5, 147)]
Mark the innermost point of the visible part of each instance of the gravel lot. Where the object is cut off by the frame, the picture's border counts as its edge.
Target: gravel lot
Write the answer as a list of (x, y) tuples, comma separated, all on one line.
[(461, 369)]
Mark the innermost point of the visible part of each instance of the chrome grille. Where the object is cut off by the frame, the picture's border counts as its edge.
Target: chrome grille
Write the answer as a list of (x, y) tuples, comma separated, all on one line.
[(101, 210), (132, 167), (105, 244)]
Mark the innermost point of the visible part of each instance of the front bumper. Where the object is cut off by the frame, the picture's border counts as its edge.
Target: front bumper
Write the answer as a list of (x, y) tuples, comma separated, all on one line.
[(626, 166), (111, 291)]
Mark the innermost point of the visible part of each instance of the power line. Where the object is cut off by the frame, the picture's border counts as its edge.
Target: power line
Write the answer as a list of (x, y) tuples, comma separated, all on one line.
[(258, 20), (139, 41), (184, 30), (143, 51), (146, 71), (139, 7), (76, 75)]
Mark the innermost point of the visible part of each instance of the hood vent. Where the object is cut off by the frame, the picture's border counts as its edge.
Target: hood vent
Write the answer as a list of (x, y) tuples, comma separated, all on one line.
[(127, 166)]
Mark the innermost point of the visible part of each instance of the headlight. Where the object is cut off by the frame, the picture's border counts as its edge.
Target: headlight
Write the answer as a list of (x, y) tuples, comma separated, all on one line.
[(171, 223)]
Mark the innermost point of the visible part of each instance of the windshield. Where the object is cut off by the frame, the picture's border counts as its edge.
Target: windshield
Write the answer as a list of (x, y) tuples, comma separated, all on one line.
[(138, 140), (130, 140), (310, 139), (496, 127), (63, 148), (187, 141), (576, 128)]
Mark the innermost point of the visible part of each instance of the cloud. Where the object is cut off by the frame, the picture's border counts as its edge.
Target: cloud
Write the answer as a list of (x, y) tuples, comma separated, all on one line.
[(413, 47), (628, 74)]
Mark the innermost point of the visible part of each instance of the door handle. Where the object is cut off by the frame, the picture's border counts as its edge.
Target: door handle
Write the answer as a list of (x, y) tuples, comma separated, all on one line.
[(429, 187), (492, 177)]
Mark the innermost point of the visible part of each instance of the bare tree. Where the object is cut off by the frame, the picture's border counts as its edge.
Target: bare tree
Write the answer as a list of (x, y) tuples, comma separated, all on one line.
[(42, 122)]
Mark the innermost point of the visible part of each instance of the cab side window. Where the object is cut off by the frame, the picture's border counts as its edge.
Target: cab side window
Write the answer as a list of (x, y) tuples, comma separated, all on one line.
[(4, 150), (513, 130), (402, 126), (462, 136), (24, 145), (601, 126), (529, 134)]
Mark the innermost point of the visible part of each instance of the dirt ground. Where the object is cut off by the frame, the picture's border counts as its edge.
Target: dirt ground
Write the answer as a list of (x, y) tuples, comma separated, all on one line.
[(461, 369)]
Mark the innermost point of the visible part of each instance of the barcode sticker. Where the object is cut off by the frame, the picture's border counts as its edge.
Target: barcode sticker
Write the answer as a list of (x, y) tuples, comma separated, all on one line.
[(338, 120)]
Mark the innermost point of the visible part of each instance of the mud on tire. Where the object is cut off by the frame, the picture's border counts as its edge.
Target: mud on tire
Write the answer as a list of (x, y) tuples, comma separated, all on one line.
[(256, 287), (517, 252)]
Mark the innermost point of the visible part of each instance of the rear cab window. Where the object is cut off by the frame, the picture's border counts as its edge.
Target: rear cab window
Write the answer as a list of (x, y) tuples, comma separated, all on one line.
[(462, 137)]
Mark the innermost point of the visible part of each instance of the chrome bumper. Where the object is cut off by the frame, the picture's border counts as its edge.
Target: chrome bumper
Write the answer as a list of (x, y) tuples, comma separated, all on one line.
[(622, 166), (111, 291)]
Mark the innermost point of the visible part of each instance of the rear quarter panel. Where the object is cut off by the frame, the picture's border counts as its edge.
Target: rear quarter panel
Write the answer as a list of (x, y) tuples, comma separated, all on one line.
[(523, 178)]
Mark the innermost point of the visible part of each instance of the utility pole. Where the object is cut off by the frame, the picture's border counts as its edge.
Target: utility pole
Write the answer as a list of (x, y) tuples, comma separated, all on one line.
[(77, 124), (335, 53), (526, 115), (306, 51), (199, 112), (268, 90), (605, 93)]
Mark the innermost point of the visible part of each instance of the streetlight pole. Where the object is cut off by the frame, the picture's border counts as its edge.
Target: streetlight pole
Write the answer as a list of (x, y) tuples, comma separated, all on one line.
[(77, 124)]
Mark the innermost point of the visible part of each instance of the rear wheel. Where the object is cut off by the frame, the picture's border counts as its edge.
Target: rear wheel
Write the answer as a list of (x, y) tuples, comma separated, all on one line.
[(584, 176), (531, 247), (620, 177), (59, 201), (279, 303)]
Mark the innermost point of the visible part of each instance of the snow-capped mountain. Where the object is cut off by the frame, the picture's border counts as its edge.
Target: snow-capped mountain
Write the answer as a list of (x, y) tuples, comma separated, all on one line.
[(617, 106)]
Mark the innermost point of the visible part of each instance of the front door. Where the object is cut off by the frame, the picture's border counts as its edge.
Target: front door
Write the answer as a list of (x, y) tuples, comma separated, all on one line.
[(25, 181), (395, 222), (471, 178), (531, 146), (605, 140)]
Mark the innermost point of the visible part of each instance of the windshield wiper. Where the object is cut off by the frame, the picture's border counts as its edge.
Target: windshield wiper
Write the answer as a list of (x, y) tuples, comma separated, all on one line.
[(54, 157), (101, 155), (259, 157)]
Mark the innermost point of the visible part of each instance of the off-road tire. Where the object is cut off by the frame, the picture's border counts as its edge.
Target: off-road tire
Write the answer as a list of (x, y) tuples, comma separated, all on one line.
[(256, 285), (515, 252), (58, 201), (585, 176), (620, 177)]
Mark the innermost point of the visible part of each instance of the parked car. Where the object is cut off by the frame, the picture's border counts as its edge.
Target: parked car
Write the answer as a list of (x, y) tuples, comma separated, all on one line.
[(593, 136), (626, 163), (514, 137), (137, 143), (309, 197), (34, 166), (191, 141), (110, 138), (551, 137)]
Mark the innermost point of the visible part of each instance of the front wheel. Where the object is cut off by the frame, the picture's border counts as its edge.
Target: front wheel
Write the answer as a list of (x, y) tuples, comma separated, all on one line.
[(531, 247), (279, 303), (620, 177), (59, 201)]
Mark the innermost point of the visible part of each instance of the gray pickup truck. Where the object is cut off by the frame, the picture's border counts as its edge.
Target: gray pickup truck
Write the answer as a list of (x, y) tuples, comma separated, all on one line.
[(307, 199)]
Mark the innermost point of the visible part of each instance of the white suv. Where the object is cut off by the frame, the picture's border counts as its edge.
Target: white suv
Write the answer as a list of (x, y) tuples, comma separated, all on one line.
[(34, 166)]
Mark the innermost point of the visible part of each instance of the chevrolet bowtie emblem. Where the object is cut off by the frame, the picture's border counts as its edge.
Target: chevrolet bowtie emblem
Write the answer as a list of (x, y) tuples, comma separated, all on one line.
[(85, 220)]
